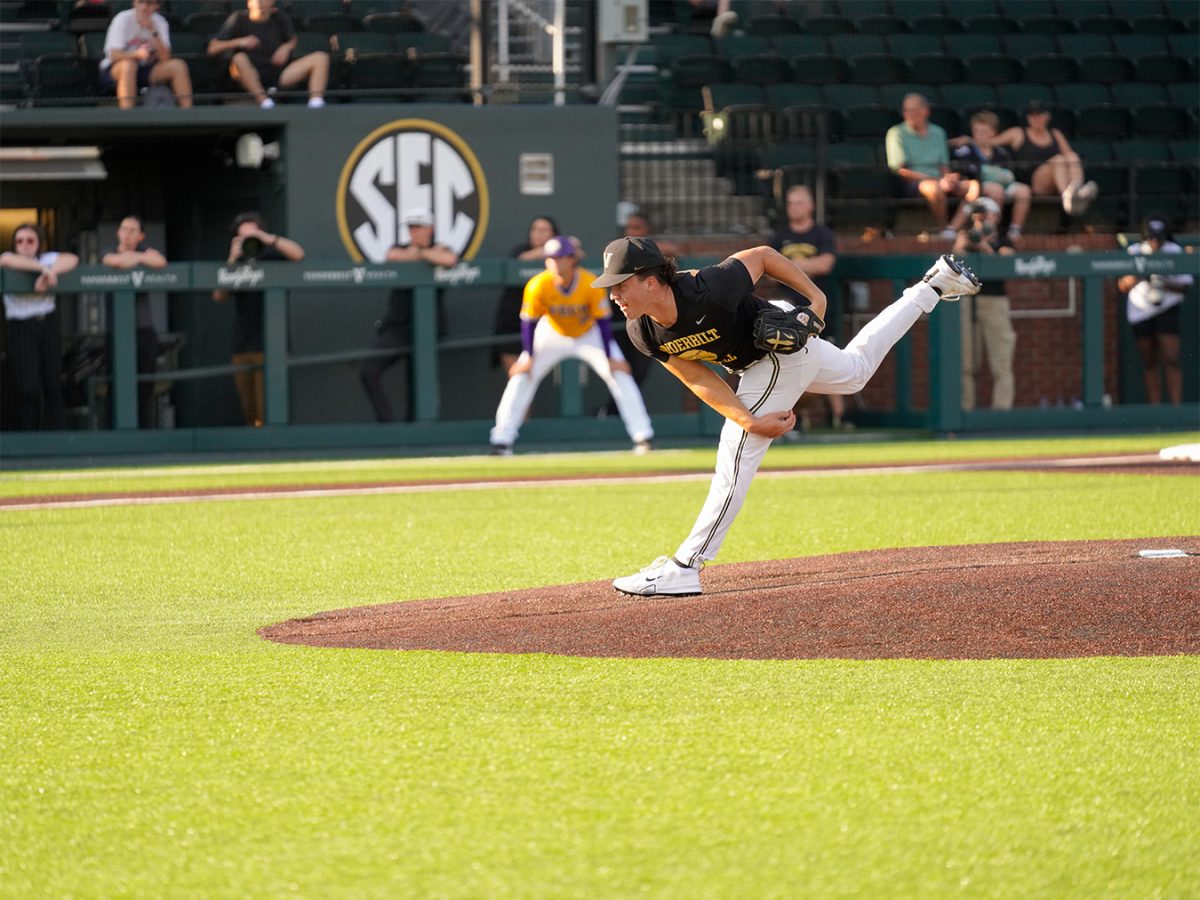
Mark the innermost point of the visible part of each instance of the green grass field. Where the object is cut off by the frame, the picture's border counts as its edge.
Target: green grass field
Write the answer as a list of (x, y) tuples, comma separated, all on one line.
[(152, 745)]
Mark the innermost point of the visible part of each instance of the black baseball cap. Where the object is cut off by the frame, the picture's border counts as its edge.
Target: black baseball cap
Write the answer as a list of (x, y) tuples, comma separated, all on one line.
[(626, 257), (1034, 105)]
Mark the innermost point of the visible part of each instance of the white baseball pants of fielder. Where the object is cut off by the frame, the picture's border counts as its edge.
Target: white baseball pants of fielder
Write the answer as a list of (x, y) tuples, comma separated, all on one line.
[(774, 384), (549, 349)]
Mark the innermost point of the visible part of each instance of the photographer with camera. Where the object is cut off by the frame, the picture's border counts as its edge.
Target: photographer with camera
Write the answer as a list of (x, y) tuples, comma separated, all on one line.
[(1152, 309), (251, 243), (985, 318)]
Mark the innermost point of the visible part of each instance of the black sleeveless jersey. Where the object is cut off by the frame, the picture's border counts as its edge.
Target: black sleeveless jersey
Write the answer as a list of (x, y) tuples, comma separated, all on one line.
[(717, 308)]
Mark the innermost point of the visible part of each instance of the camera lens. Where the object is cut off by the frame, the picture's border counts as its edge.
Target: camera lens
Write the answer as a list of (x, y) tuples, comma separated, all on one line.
[(252, 247), (973, 236)]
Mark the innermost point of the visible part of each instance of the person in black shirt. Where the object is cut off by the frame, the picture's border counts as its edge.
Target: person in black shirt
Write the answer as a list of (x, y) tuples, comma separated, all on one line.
[(252, 243), (687, 320), (258, 42)]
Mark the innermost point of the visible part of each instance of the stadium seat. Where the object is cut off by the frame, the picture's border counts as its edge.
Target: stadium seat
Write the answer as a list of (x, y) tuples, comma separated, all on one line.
[(735, 45), (1105, 121), (894, 94), (777, 156), (793, 45), (1048, 24), (820, 124), (1078, 9), (1185, 151), (1051, 68), (947, 118), (1017, 95), (868, 123), (1079, 94), (841, 96), (1130, 9), (938, 24), (1135, 45), (969, 93), (768, 26), (877, 69), (1185, 94), (1185, 46), (855, 153), (1163, 120), (791, 94), (819, 69), (829, 25), (762, 69), (376, 76), (91, 45), (1140, 150), (49, 43), (1138, 93), (1106, 68), (672, 46), (721, 95), (1104, 24), (915, 9), (1161, 68), (1079, 45), (57, 77), (849, 45), (1157, 25), (392, 23), (883, 24), (910, 45), (439, 78), (1091, 150), (968, 45), (992, 24), (352, 44), (416, 42), (82, 18), (936, 69), (994, 68), (858, 9), (205, 24), (1023, 46)]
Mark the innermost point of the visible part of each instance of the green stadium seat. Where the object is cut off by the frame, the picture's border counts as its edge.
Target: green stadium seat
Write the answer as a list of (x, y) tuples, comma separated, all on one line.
[(968, 45), (1185, 46), (820, 69), (992, 24), (946, 117), (376, 76), (915, 9), (91, 45), (1161, 68), (1017, 95), (1051, 68), (1141, 150), (1164, 120), (54, 77), (882, 24), (848, 45), (1104, 24), (765, 68), (819, 124), (1048, 24), (829, 25), (1135, 45), (723, 94), (331, 23), (418, 42), (1185, 151), (879, 69), (994, 68), (793, 45), (937, 69), (777, 156), (48, 43), (1138, 93), (969, 93), (791, 94), (938, 24), (736, 45), (1080, 45), (392, 23), (868, 123), (894, 94), (1185, 94), (1157, 25), (910, 45), (767, 26), (1079, 94), (1078, 9), (352, 44), (859, 9), (1106, 121), (1130, 9), (1091, 150), (1023, 46), (856, 153), (1106, 68), (842, 95), (439, 78), (205, 24), (672, 46)]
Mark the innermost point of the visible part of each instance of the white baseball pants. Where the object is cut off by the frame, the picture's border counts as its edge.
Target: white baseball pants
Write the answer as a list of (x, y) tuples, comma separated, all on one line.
[(774, 384), (549, 349)]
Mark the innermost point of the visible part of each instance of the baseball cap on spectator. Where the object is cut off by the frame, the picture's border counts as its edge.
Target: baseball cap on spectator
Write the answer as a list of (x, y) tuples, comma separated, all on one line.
[(1035, 106), (560, 246), (1156, 230), (626, 257), (419, 215)]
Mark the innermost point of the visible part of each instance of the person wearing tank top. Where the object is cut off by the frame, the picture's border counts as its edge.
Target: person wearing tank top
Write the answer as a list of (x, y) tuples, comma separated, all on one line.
[(1046, 161)]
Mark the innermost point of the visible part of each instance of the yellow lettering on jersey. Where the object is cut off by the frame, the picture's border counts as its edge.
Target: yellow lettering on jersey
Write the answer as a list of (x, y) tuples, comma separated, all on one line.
[(687, 342)]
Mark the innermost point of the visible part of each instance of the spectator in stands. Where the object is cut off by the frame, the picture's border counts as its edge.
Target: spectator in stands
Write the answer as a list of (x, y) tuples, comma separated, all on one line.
[(985, 319), (258, 43), (979, 154), (137, 54), (1045, 159), (35, 348), (132, 252), (1153, 312), (394, 331), (813, 248), (918, 155), (252, 243), (508, 309)]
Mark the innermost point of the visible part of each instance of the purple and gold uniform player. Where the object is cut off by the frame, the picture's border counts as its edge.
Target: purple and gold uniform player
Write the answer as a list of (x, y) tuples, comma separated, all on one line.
[(563, 316)]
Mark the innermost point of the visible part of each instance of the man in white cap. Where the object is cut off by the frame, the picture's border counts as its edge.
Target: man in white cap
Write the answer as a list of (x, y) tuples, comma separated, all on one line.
[(563, 316), (394, 330)]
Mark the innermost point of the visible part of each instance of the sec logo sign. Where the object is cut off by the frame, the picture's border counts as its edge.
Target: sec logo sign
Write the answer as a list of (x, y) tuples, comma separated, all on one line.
[(405, 164)]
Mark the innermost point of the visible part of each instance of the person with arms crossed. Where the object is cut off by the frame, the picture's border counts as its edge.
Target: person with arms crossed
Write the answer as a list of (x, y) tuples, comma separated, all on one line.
[(258, 43), (687, 320), (565, 315), (813, 248), (34, 333), (137, 54), (395, 329), (132, 252), (1152, 309)]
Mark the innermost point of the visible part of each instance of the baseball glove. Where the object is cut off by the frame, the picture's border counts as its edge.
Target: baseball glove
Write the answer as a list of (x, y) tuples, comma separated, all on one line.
[(785, 331)]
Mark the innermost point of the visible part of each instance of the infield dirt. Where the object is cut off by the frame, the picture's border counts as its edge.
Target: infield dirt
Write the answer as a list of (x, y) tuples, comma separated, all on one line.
[(1016, 600)]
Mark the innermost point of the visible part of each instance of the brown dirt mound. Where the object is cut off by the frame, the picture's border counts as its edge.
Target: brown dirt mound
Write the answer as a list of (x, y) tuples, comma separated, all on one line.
[(1025, 600)]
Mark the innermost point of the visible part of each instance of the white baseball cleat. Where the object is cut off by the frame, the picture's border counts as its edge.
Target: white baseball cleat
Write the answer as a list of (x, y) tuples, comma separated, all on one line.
[(952, 279), (664, 577)]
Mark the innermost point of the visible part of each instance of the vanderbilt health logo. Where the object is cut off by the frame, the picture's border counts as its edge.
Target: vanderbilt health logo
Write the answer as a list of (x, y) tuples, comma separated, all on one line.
[(406, 164)]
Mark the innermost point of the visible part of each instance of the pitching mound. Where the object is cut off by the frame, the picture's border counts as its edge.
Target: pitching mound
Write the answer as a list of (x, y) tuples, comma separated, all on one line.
[(1026, 600)]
